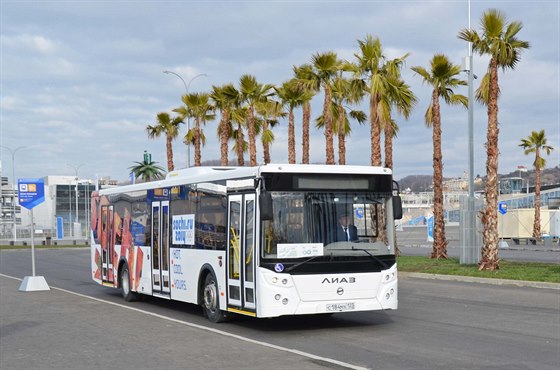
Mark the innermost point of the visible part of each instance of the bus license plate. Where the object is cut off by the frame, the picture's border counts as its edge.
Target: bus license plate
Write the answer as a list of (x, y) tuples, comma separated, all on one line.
[(332, 307)]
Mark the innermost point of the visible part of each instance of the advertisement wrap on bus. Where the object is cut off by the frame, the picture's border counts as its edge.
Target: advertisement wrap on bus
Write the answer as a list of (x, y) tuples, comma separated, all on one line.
[(264, 241)]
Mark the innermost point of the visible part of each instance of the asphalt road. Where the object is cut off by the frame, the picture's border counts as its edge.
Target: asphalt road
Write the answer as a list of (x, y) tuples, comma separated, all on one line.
[(439, 325)]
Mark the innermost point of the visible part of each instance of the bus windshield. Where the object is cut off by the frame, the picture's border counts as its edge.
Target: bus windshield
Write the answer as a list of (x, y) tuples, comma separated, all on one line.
[(313, 224)]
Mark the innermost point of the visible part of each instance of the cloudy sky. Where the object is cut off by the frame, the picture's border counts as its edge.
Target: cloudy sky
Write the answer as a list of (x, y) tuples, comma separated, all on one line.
[(81, 80)]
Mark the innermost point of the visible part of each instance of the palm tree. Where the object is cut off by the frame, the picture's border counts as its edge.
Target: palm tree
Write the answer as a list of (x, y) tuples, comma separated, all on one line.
[(270, 111), (499, 41), (306, 79), (342, 94), (442, 77), (385, 88), (239, 117), (381, 79), (402, 101), (535, 143), (253, 92), (147, 170), (225, 98), (325, 67), (168, 127), (198, 106), (293, 95)]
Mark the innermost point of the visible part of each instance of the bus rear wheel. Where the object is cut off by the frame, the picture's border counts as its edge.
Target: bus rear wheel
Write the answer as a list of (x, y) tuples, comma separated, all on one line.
[(211, 300), (127, 293)]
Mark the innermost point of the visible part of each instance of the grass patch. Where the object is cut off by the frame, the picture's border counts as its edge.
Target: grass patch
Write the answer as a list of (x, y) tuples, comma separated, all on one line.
[(529, 271)]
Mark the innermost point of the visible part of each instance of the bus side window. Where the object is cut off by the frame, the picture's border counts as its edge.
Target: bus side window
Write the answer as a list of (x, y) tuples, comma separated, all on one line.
[(210, 223)]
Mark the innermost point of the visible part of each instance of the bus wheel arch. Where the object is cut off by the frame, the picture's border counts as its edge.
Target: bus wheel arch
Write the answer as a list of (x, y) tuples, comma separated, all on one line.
[(124, 282), (209, 295)]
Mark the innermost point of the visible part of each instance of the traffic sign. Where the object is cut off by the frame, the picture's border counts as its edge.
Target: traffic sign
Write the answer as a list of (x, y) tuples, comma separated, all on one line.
[(31, 192), (502, 208)]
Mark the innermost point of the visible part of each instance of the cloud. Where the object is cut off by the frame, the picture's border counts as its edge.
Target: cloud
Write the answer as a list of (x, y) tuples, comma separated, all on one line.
[(33, 44), (81, 80)]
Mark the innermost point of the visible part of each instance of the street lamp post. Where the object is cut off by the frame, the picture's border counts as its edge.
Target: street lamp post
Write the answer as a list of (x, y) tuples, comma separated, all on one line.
[(76, 168), (14, 196), (469, 251), (188, 118)]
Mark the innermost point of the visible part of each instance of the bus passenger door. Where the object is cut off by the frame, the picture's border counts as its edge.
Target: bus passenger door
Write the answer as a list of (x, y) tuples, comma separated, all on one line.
[(107, 248), (160, 247), (240, 252)]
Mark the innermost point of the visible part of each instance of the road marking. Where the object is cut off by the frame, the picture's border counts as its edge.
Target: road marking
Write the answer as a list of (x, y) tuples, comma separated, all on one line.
[(212, 330)]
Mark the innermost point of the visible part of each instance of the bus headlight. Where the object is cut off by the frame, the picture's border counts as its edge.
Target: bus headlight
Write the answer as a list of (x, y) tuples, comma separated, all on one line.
[(389, 276)]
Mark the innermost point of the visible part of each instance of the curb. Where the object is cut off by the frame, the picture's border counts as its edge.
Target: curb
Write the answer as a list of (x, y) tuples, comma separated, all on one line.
[(472, 279)]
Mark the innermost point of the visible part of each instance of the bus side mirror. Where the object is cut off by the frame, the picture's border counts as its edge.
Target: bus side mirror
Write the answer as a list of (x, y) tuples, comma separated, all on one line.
[(397, 207), (265, 206)]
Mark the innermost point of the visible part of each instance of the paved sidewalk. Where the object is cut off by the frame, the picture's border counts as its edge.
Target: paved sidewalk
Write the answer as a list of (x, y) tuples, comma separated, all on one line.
[(60, 330)]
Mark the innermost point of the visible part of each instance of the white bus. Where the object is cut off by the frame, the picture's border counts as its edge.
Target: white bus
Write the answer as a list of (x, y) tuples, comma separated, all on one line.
[(258, 241)]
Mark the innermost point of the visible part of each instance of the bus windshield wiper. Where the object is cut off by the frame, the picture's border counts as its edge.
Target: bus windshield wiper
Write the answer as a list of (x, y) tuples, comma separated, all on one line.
[(372, 256), (302, 263)]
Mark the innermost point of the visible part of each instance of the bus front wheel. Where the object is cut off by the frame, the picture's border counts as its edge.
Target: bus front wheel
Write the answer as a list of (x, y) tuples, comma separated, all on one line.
[(127, 293), (211, 300)]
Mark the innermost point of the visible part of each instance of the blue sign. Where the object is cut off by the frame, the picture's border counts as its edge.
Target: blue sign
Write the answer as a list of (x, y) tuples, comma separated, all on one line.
[(430, 228), (31, 192), (502, 208), (359, 213), (59, 228)]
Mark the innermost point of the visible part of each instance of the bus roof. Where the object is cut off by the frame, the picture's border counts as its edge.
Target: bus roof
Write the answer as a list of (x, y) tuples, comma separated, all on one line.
[(195, 175)]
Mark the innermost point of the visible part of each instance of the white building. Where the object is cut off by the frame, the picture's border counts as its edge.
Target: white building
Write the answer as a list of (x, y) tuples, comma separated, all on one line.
[(64, 214)]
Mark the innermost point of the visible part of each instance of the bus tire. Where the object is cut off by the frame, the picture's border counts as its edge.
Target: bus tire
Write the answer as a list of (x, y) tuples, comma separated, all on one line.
[(211, 300), (127, 293)]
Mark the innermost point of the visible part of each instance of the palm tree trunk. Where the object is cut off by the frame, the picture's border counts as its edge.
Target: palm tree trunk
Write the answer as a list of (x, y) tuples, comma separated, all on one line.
[(389, 146), (169, 147), (375, 133), (328, 127), (305, 138), (291, 138), (239, 146), (439, 248), (341, 137), (266, 147), (389, 164), (490, 260), (224, 138), (252, 139), (537, 222), (197, 155)]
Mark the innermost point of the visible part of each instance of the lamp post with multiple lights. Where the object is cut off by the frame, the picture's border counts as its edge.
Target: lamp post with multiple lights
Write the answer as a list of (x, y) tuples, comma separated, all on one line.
[(14, 195), (76, 168), (469, 253), (188, 118)]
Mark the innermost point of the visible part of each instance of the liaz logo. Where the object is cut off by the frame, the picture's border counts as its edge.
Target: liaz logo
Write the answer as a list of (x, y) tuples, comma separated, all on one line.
[(349, 280)]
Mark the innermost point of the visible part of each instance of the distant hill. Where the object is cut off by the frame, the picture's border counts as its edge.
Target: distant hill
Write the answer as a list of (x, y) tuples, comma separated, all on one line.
[(416, 183)]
